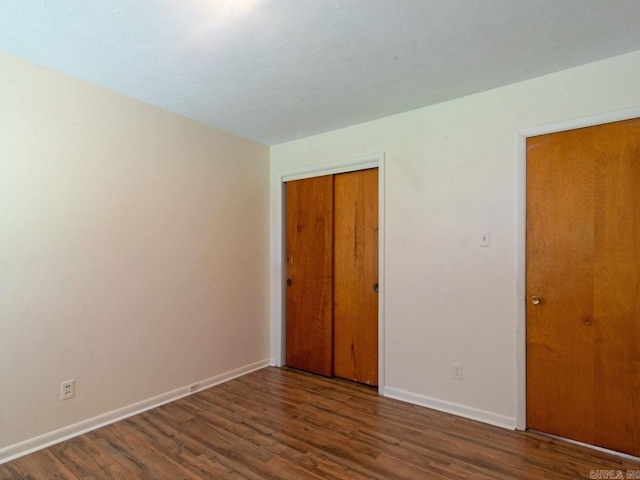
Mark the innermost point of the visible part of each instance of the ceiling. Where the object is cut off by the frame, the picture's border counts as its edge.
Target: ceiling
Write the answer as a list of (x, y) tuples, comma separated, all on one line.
[(277, 70)]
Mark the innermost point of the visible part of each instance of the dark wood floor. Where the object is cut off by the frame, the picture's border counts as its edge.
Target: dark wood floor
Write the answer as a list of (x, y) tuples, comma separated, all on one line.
[(280, 423)]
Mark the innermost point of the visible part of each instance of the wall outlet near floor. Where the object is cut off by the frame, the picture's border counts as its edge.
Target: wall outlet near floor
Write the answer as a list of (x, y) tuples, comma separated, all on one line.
[(194, 387), (67, 390), (457, 371)]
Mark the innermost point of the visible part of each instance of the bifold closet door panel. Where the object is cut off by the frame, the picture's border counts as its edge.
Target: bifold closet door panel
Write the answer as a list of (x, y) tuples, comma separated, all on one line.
[(355, 313), (309, 273)]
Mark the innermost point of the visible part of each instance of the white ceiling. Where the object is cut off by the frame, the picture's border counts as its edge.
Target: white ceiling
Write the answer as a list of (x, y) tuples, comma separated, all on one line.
[(276, 70)]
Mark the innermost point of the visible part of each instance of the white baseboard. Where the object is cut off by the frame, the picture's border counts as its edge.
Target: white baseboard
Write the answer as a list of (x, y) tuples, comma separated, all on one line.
[(51, 438), (453, 408)]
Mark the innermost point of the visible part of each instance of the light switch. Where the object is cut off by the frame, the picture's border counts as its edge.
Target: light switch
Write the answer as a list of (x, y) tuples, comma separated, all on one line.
[(485, 239)]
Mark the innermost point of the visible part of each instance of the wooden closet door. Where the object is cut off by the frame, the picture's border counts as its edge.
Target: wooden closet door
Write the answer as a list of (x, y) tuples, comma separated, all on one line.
[(309, 270), (583, 285), (355, 315)]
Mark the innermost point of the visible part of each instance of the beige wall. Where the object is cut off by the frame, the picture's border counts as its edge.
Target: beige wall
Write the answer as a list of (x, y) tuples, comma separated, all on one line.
[(133, 253), (452, 172)]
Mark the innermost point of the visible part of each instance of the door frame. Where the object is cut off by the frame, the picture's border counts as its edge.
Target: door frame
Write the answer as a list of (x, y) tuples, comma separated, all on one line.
[(521, 232), (278, 244)]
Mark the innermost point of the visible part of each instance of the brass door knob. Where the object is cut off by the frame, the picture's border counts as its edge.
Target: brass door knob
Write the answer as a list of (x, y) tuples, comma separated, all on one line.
[(536, 300)]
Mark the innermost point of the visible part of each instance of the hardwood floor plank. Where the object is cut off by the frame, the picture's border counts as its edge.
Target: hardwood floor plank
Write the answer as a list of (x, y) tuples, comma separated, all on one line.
[(298, 429), (178, 448), (142, 459), (285, 424), (342, 431), (74, 455), (5, 474), (42, 465)]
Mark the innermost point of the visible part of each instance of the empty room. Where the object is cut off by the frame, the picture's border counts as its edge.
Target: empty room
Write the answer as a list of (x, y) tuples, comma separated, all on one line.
[(300, 239)]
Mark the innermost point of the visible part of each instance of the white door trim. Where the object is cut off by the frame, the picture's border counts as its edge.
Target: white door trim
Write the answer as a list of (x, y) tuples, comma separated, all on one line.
[(278, 235), (521, 232)]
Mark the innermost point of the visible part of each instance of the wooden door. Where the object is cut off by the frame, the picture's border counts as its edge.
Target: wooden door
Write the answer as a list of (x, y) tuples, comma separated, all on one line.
[(332, 275), (355, 315), (583, 261), (309, 270)]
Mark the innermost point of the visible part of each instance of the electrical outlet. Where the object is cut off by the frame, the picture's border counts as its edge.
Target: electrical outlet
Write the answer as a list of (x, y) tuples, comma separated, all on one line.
[(457, 371), (194, 387), (67, 390)]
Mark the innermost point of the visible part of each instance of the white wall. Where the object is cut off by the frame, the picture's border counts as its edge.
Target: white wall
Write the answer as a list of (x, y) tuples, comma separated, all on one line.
[(452, 172), (133, 254)]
